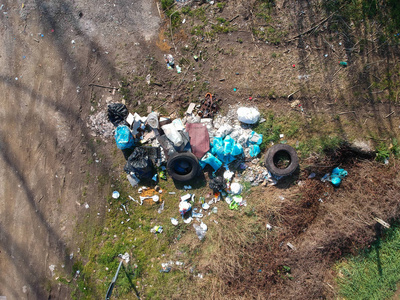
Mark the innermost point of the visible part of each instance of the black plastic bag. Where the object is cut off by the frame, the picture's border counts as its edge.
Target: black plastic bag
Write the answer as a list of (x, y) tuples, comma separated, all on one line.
[(117, 113), (217, 184), (140, 164)]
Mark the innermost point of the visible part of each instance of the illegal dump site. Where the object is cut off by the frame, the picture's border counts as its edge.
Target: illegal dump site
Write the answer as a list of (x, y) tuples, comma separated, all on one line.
[(200, 149)]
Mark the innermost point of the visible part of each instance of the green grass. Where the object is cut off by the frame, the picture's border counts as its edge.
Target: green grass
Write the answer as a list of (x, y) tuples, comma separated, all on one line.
[(375, 272), (307, 136)]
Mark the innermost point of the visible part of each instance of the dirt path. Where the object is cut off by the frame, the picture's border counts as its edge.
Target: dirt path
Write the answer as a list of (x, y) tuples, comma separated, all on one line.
[(49, 53)]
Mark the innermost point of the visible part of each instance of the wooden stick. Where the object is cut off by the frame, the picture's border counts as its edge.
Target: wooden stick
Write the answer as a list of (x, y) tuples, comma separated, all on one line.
[(347, 112), (383, 223), (103, 86), (390, 114), (234, 18)]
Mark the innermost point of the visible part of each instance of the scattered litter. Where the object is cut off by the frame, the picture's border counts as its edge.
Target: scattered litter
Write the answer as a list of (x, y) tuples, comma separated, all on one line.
[(205, 206), (124, 207), (174, 221), (148, 77), (188, 220), (291, 246), (86, 205), (161, 208), (115, 194), (325, 178), (236, 188), (187, 187), (125, 257), (165, 268), (140, 203), (184, 207), (269, 227), (337, 176), (200, 230), (157, 229), (312, 175)]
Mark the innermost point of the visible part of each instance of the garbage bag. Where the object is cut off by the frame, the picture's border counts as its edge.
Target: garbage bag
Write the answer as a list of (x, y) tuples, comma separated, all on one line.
[(255, 138), (217, 184), (211, 160), (124, 137), (139, 164), (237, 149), (337, 176), (226, 149), (248, 115), (254, 150), (117, 113)]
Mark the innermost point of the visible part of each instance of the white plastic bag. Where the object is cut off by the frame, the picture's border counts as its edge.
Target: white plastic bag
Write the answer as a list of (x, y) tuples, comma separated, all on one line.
[(248, 115), (172, 134)]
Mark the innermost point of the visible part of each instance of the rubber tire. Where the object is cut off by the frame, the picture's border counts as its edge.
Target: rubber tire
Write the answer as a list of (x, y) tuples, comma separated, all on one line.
[(187, 157), (269, 160)]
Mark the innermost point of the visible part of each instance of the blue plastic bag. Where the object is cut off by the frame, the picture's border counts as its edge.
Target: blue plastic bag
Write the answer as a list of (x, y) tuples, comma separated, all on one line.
[(211, 160), (124, 137), (255, 138), (337, 176), (254, 150), (237, 149)]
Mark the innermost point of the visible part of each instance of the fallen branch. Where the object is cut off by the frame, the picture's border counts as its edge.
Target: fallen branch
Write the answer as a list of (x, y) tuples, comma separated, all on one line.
[(291, 95), (389, 114), (311, 29), (234, 18), (103, 86), (347, 112)]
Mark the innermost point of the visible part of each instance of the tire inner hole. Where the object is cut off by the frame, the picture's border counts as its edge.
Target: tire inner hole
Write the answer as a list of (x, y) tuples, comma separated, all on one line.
[(182, 167), (282, 159)]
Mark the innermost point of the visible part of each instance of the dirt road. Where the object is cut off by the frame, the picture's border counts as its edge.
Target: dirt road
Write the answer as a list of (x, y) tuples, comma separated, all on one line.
[(49, 52)]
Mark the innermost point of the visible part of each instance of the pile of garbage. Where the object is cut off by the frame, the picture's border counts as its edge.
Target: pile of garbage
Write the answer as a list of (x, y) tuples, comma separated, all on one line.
[(184, 146)]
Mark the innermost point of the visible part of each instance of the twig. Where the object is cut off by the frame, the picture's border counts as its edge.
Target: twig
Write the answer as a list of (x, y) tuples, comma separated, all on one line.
[(291, 95), (347, 112), (103, 86), (159, 12), (311, 29), (234, 18), (389, 114)]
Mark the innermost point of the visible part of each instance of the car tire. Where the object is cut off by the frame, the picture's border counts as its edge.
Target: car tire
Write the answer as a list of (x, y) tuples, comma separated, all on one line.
[(183, 166), (277, 151)]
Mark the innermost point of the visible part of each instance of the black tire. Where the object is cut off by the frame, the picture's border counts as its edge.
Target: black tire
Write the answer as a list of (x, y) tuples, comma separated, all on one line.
[(277, 151), (183, 166)]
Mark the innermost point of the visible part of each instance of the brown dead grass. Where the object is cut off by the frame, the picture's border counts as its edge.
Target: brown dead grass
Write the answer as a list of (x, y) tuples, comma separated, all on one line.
[(247, 262)]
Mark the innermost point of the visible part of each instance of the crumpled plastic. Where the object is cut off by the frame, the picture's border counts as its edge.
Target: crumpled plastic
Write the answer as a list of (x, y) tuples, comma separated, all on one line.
[(254, 141), (226, 149), (211, 160), (248, 115), (337, 176)]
